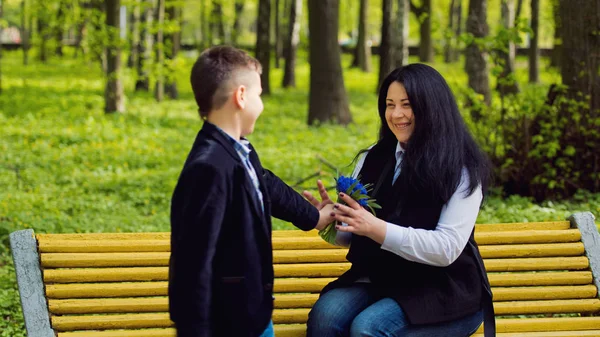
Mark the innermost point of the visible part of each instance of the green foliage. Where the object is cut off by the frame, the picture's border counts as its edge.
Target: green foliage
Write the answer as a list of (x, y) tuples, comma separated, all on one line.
[(11, 324)]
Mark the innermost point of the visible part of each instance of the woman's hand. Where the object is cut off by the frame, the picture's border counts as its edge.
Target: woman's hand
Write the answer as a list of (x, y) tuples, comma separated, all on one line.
[(325, 200), (359, 220)]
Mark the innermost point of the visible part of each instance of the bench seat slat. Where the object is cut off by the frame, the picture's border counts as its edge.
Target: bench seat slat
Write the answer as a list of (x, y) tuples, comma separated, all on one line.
[(168, 332), (84, 275), (499, 227), (150, 259), (555, 247), (547, 307), (304, 301), (544, 295), (532, 250), (299, 316), (532, 236), (300, 333)]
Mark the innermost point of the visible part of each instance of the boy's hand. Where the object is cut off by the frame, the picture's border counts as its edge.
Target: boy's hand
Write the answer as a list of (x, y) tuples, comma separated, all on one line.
[(325, 216), (325, 200)]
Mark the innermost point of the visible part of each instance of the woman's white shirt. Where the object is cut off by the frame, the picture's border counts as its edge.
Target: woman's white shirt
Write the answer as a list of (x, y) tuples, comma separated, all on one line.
[(441, 246)]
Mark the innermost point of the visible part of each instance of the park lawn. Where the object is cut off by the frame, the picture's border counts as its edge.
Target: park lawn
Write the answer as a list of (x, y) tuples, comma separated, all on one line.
[(67, 167)]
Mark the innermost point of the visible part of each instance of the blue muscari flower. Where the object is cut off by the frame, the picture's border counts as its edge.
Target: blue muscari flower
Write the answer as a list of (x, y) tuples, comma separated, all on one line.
[(343, 183)]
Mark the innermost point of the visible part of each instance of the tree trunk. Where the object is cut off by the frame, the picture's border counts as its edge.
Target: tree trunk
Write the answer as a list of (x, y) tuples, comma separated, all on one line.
[(145, 47), (555, 60), (476, 59), (386, 48), (328, 100), (204, 27), (458, 32), (518, 11), (25, 33), (263, 42), (453, 33), (507, 82), (174, 39), (134, 35), (1, 15), (581, 56), (80, 31), (159, 89), (424, 14), (534, 48), (580, 63), (362, 54), (402, 28), (239, 9), (217, 22), (59, 28), (113, 94), (278, 44), (42, 28), (289, 75)]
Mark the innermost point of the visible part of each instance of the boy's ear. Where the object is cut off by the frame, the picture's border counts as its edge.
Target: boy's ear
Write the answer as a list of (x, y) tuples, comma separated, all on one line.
[(239, 97)]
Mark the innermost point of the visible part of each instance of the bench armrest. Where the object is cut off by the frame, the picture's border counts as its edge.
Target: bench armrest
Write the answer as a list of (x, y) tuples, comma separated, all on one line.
[(31, 287)]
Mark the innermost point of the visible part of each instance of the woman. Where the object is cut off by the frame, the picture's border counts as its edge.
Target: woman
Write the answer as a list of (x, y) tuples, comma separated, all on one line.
[(415, 268)]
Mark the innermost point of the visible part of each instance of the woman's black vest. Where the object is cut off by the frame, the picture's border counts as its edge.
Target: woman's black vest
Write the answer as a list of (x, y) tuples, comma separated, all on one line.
[(427, 294)]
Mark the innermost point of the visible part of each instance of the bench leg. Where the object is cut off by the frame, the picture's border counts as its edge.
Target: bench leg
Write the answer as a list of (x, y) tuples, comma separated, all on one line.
[(31, 287), (584, 221)]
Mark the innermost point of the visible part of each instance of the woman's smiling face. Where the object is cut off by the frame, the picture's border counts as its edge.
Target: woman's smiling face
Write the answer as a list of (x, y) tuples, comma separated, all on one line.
[(398, 112)]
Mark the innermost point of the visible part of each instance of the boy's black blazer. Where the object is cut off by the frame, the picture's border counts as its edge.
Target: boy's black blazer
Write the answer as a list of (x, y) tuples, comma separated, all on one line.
[(221, 266)]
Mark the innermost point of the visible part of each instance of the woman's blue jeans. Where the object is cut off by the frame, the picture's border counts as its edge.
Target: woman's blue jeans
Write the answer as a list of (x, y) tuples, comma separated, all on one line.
[(354, 311)]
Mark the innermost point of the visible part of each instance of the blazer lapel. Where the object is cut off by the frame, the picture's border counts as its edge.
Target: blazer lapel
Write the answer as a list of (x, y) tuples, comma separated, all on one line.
[(266, 214), (213, 132)]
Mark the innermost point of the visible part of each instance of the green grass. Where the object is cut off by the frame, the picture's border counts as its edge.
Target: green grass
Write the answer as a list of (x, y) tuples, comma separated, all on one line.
[(67, 167)]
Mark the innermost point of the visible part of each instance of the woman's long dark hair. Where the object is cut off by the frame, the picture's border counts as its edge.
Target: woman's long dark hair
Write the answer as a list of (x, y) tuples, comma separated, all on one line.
[(440, 146)]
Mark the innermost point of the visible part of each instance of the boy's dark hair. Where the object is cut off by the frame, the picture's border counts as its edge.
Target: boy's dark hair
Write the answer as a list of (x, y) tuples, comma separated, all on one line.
[(211, 72)]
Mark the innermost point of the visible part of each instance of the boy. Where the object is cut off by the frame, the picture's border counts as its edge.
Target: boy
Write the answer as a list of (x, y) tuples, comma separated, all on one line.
[(221, 267)]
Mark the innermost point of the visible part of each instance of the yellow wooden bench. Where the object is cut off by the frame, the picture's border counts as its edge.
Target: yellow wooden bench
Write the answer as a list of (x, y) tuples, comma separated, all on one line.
[(544, 277)]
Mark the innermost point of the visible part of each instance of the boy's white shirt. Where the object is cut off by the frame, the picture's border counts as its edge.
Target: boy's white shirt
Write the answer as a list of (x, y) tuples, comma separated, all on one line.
[(441, 246)]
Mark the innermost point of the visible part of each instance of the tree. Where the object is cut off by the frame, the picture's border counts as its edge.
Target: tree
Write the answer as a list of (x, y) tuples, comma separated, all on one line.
[(113, 93), (557, 48), (59, 27), (278, 43), (453, 32), (386, 48), (174, 44), (43, 29), (1, 15), (402, 28), (328, 100), (581, 55), (263, 42), (476, 56), (142, 82), (159, 90), (289, 75), (507, 82), (534, 48), (206, 36), (134, 35), (216, 20), (580, 21), (362, 53), (239, 9), (25, 32), (423, 13)]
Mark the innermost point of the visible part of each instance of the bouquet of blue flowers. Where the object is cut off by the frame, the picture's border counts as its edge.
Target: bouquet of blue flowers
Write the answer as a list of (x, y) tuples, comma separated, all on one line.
[(357, 191)]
